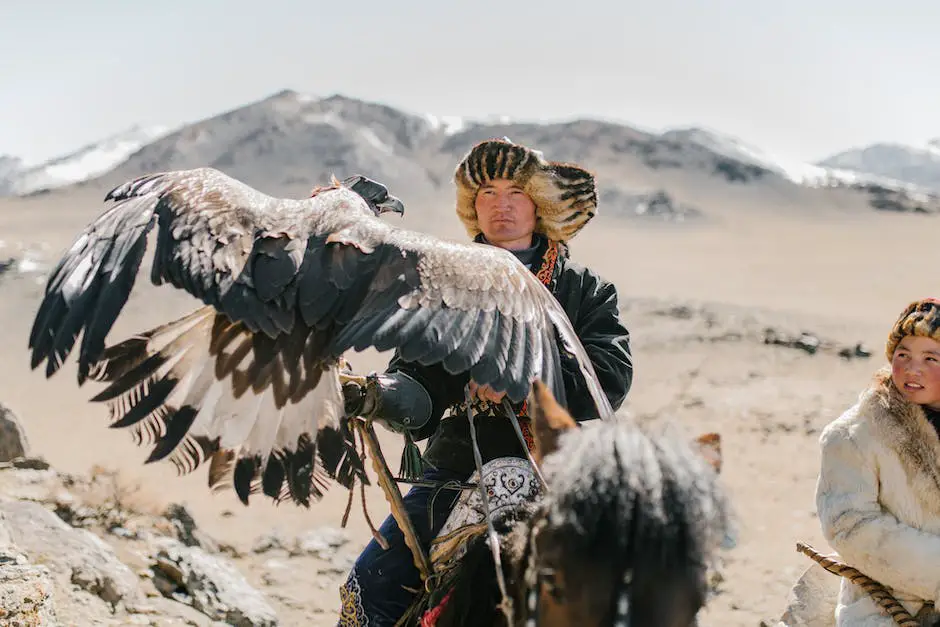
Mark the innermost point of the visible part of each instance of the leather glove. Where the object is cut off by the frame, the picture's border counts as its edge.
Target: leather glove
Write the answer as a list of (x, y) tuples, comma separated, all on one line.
[(396, 401)]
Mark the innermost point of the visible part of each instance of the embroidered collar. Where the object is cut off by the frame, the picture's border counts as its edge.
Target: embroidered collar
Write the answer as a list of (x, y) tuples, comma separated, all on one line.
[(528, 256)]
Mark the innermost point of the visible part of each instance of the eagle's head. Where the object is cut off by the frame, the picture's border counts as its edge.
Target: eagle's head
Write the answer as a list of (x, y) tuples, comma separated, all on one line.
[(375, 194)]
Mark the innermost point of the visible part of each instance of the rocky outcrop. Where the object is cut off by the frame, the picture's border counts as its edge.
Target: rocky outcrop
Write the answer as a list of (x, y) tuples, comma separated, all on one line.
[(80, 549), (76, 555), (26, 590), (886, 198), (13, 442), (70, 556), (652, 205), (210, 584)]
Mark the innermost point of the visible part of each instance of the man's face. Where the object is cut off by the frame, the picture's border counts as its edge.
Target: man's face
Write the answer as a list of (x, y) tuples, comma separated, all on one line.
[(506, 215)]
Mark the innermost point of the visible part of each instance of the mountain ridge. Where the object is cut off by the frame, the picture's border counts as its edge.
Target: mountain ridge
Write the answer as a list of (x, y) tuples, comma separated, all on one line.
[(289, 142)]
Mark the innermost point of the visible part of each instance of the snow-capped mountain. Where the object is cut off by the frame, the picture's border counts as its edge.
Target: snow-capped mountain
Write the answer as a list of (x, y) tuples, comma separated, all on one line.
[(454, 124), (449, 124), (289, 142), (9, 165), (9, 168), (734, 148), (87, 162), (918, 165), (825, 174)]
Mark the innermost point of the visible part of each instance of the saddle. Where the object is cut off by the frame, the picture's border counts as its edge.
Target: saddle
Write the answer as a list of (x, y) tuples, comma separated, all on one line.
[(510, 482)]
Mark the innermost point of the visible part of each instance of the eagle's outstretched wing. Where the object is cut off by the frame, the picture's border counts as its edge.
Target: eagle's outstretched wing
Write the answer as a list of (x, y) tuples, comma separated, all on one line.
[(251, 380)]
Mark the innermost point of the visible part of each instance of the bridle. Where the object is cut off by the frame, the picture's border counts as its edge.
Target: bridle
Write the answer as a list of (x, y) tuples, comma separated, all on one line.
[(533, 580), (532, 575), (506, 604)]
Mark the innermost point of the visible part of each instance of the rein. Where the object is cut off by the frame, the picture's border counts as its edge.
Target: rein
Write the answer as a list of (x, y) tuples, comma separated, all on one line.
[(492, 539), (533, 583), (544, 274)]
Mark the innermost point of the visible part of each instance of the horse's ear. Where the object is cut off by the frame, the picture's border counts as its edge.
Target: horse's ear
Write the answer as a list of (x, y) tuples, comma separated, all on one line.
[(709, 446), (549, 420)]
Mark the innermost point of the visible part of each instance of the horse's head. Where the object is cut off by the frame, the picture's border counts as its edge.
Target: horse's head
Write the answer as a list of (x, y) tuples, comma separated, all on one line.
[(627, 525)]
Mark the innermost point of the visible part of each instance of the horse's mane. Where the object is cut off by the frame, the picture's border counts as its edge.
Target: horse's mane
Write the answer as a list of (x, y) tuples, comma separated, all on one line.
[(645, 507)]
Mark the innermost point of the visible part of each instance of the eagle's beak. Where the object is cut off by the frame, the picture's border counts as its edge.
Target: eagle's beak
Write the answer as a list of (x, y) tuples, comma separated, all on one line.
[(391, 204)]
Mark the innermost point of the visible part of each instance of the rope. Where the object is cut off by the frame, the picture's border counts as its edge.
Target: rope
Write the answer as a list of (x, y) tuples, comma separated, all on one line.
[(878, 592), (394, 498), (506, 604), (525, 447)]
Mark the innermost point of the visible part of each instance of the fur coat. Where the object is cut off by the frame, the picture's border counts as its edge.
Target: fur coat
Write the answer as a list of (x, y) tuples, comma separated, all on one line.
[(878, 499)]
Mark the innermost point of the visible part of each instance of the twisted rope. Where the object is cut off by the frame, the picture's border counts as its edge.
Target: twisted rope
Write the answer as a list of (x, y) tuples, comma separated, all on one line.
[(878, 592)]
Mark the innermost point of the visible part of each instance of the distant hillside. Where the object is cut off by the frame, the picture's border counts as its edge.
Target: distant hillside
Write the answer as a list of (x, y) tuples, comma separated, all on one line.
[(288, 143)]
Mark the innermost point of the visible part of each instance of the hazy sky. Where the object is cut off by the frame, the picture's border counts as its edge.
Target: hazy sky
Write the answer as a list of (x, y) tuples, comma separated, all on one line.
[(797, 78)]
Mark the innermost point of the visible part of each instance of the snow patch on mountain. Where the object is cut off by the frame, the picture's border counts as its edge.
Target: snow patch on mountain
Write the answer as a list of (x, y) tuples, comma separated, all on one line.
[(448, 124), (87, 162), (801, 173)]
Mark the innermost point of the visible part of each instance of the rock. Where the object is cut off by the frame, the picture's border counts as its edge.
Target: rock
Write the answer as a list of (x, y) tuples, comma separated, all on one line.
[(170, 613), (648, 204), (739, 172), (77, 555), (808, 342), (275, 572), (811, 344), (13, 442), (812, 600), (859, 351), (321, 542), (805, 341), (886, 198), (26, 591), (270, 542), (28, 484), (186, 531), (210, 584), (30, 463)]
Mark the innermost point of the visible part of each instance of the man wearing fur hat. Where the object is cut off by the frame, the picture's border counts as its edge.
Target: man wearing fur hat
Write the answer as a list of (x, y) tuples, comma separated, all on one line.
[(508, 196), (878, 493)]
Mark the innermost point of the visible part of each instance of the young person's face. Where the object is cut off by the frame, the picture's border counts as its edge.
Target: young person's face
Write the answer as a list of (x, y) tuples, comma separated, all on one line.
[(915, 370)]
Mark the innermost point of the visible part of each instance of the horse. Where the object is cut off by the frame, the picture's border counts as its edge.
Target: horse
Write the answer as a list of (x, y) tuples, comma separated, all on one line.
[(623, 536)]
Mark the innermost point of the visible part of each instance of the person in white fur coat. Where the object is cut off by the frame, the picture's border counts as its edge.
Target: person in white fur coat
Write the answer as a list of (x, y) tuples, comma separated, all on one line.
[(878, 493)]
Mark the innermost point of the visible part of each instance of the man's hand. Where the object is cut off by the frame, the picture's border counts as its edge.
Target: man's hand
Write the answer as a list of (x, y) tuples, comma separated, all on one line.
[(485, 393)]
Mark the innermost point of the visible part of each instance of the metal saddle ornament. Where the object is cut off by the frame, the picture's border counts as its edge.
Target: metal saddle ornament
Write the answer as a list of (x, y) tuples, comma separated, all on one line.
[(509, 482)]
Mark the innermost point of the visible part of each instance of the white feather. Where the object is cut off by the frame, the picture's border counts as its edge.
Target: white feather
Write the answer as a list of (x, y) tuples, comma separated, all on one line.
[(260, 440), (234, 418)]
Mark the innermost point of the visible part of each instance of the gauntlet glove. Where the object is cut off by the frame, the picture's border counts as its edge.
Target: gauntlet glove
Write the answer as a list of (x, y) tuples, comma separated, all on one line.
[(396, 401)]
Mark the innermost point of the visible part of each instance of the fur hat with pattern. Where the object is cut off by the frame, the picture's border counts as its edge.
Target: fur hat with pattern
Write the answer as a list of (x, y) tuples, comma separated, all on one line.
[(564, 194), (922, 317)]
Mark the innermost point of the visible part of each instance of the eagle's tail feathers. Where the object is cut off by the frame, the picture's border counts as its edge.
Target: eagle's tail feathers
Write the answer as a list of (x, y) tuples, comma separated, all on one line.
[(267, 417)]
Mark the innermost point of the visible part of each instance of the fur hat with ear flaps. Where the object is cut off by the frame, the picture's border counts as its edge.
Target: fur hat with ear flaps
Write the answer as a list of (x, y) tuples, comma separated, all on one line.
[(564, 194), (922, 317)]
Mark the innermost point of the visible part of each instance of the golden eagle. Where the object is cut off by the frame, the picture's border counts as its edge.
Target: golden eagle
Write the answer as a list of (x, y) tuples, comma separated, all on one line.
[(251, 380)]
